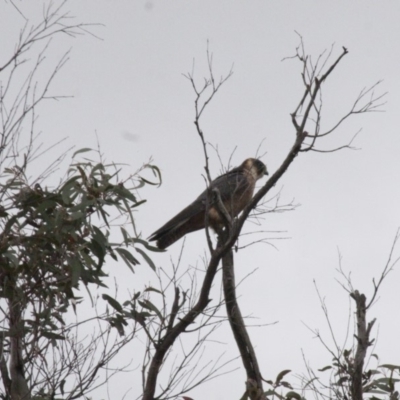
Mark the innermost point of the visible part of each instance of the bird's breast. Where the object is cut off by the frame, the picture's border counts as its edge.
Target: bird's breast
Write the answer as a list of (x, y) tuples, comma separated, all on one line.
[(233, 204)]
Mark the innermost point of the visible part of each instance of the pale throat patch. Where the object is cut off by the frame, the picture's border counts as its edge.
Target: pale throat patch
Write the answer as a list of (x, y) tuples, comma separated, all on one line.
[(252, 170)]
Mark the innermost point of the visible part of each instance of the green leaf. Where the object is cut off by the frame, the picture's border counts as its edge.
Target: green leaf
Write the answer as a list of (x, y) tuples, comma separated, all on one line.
[(113, 303), (157, 173), (70, 190), (76, 270), (374, 372), (150, 306), (147, 259), (149, 182), (125, 193), (377, 392), (98, 251), (138, 203), (325, 368), (118, 322), (11, 256), (346, 353), (342, 380), (59, 318), (281, 375), (127, 257), (138, 316), (87, 260), (83, 175), (83, 150), (385, 380), (390, 366), (125, 234), (76, 215), (147, 245), (130, 214), (293, 395), (52, 335), (104, 216), (385, 388), (99, 237), (151, 289), (99, 167), (136, 295)]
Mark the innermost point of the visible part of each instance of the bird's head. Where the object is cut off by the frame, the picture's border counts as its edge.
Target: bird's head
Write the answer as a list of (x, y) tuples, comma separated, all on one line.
[(256, 167)]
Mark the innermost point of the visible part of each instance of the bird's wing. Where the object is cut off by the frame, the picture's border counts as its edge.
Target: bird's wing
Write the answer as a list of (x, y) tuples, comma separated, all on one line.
[(230, 185), (198, 206)]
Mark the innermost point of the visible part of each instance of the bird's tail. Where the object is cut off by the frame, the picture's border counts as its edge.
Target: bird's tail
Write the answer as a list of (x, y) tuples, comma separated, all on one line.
[(166, 238)]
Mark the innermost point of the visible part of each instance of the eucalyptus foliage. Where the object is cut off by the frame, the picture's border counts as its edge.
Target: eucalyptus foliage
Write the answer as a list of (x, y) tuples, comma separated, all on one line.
[(54, 242)]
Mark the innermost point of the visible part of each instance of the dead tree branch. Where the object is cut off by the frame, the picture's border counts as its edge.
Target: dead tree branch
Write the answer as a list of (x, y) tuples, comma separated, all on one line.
[(313, 75), (311, 100), (248, 355), (180, 327), (363, 342), (388, 267)]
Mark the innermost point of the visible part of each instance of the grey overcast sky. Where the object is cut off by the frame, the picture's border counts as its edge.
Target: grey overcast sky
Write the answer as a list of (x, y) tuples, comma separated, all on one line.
[(128, 87)]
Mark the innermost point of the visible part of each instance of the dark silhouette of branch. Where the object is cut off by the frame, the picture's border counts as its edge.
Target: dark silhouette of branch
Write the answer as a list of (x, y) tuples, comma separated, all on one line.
[(3, 367), (313, 77), (180, 327), (248, 355), (388, 267), (19, 385), (232, 230), (363, 342), (311, 100), (209, 82)]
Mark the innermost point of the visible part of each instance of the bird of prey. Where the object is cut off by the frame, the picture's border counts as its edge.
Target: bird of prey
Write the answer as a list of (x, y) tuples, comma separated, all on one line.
[(236, 189)]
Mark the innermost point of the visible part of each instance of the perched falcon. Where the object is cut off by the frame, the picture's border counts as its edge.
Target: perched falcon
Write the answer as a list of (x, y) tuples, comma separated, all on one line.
[(236, 189)]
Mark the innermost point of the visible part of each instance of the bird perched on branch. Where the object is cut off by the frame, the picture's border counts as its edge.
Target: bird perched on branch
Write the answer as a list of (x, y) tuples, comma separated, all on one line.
[(235, 189)]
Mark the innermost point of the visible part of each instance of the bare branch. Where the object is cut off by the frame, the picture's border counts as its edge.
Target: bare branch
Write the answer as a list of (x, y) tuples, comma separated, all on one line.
[(390, 264), (248, 355), (363, 342)]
